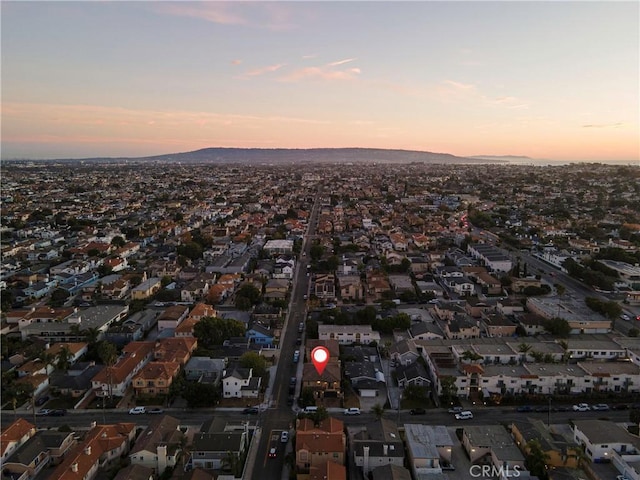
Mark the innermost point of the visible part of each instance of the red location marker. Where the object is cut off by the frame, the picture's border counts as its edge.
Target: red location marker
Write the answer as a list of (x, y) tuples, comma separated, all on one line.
[(320, 358)]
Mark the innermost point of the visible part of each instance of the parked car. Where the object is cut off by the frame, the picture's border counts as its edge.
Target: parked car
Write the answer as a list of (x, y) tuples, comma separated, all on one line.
[(625, 317), (155, 410), (137, 410), (284, 436), (581, 407), (464, 415), (290, 400), (620, 406), (455, 409), (524, 409), (42, 400), (43, 412), (251, 411), (602, 407), (417, 411), (58, 412), (352, 411)]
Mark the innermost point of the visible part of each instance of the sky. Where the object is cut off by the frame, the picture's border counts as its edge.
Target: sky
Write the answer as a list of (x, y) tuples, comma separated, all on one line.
[(549, 80)]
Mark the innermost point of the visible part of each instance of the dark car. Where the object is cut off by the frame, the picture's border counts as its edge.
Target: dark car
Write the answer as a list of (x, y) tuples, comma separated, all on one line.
[(58, 412), (251, 411), (155, 410), (524, 409), (417, 411), (290, 400), (620, 406), (42, 400), (542, 409)]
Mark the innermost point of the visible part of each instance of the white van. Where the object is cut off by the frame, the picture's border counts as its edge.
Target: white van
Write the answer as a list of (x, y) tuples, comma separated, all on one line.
[(464, 415), (310, 409)]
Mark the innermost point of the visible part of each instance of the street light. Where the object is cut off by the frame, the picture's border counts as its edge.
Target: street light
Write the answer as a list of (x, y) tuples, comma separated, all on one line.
[(549, 414)]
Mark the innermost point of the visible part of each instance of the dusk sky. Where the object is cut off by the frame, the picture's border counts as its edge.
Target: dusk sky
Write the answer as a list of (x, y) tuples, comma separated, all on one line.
[(549, 80)]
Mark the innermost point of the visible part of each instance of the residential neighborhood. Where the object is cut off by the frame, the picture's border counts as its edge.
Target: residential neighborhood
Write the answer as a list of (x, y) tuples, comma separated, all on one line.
[(158, 323)]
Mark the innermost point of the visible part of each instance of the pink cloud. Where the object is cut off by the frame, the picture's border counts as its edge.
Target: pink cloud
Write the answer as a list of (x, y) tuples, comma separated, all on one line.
[(263, 70)]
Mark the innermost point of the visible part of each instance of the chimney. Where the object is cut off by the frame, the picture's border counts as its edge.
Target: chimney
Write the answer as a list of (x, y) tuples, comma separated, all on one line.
[(385, 449), (365, 460), (93, 424), (74, 467), (87, 450), (161, 450)]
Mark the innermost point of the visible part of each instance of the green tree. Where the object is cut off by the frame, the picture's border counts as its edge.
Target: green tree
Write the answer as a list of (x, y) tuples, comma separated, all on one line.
[(448, 388), (255, 361), (633, 332), (58, 297), (537, 459), (213, 331), (118, 241), (191, 250), (316, 251), (558, 327), (378, 411), (201, 395)]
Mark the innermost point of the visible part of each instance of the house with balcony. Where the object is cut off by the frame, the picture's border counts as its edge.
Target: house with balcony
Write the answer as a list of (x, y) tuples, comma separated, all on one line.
[(324, 286), (15, 435), (210, 448), (240, 383), (429, 448), (101, 445), (348, 334), (158, 447), (115, 380), (326, 385), (155, 378), (315, 445), (378, 444), (603, 440), (172, 317), (492, 445), (44, 449)]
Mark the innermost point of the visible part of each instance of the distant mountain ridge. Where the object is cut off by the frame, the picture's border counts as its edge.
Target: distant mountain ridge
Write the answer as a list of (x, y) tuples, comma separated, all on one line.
[(224, 155), (310, 155)]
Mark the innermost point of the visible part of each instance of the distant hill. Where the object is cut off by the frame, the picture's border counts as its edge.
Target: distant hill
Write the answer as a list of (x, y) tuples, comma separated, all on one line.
[(309, 155), (219, 155)]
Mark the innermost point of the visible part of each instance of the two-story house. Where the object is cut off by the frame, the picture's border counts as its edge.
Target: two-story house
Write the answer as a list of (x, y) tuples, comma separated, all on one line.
[(159, 445), (316, 445), (240, 383)]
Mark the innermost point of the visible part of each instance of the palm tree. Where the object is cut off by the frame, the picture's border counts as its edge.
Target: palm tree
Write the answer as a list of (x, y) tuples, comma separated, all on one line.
[(91, 334), (471, 356), (524, 348), (565, 347), (378, 411), (537, 458), (109, 355), (63, 358), (231, 463)]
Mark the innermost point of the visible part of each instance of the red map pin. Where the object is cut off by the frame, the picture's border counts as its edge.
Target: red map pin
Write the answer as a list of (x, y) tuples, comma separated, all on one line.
[(320, 358)]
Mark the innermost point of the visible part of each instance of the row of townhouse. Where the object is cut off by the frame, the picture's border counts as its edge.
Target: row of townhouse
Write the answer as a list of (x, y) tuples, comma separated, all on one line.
[(499, 366), (27, 451)]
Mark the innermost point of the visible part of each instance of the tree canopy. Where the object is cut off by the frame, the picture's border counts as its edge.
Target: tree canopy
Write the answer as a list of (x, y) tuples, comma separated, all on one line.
[(213, 331)]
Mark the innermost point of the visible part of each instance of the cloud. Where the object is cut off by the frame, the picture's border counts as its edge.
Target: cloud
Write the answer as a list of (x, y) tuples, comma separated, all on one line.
[(270, 15), (507, 102), (322, 73), (604, 125), (215, 12), (341, 62), (262, 70), (236, 62), (459, 85)]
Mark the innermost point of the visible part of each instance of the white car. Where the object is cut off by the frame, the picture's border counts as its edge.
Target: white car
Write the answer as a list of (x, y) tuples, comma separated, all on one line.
[(464, 415), (625, 317), (352, 411), (137, 410), (581, 407)]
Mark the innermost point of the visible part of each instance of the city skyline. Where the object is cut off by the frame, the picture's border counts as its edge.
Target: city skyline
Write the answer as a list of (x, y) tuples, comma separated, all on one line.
[(545, 80)]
